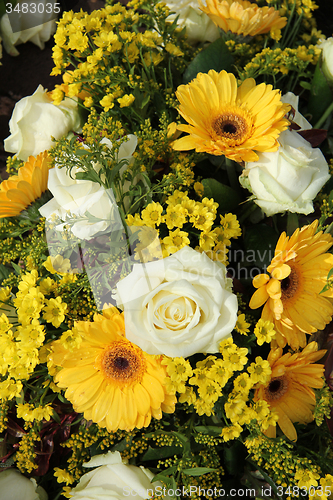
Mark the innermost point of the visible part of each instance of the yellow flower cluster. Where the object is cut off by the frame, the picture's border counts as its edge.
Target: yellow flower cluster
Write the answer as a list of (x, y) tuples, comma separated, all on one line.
[(26, 454), (22, 336), (264, 331), (278, 458), (18, 351), (210, 377), (275, 61), (236, 408), (182, 211), (110, 53), (30, 413), (322, 490), (242, 326), (302, 7), (30, 302), (179, 370)]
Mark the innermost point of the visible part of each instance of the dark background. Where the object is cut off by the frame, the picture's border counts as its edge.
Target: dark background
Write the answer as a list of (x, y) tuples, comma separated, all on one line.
[(21, 75)]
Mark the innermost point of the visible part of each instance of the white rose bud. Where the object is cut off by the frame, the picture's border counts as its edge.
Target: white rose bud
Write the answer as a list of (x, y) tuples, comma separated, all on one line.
[(115, 480), (36, 119), (199, 27), (15, 486), (327, 59), (88, 201), (35, 22)]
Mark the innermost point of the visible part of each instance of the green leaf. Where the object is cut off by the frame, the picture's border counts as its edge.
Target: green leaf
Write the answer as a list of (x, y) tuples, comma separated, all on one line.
[(212, 430), (2, 8), (260, 241), (88, 176), (145, 101), (227, 198), (215, 56), (115, 171), (320, 95), (292, 223), (56, 417), (168, 481), (122, 445), (234, 457), (4, 272), (17, 268), (197, 471), (165, 452), (163, 476)]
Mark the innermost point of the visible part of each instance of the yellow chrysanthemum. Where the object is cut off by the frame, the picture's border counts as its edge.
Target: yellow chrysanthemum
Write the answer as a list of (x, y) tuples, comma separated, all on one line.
[(109, 379), (292, 293), (243, 17), (228, 120), (289, 389), (19, 191)]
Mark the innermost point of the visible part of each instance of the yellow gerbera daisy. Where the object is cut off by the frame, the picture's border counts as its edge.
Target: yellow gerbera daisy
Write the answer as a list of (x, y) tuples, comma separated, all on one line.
[(292, 293), (289, 390), (19, 191), (111, 380), (243, 17), (230, 121)]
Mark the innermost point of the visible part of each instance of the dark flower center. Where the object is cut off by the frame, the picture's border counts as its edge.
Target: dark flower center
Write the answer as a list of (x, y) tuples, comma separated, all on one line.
[(232, 127), (121, 363), (275, 385), (276, 388), (289, 284)]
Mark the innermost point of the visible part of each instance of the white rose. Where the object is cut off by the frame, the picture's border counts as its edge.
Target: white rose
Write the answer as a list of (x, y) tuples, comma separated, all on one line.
[(36, 27), (327, 58), (290, 178), (199, 27), (35, 119), (15, 486), (84, 200), (178, 306), (113, 479)]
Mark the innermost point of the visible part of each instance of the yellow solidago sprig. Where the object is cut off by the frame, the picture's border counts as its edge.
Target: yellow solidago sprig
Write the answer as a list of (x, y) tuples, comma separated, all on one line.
[(277, 455), (282, 67), (119, 66)]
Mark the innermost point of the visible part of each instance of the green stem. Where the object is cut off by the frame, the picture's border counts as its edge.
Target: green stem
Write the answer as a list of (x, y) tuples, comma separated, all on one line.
[(323, 118)]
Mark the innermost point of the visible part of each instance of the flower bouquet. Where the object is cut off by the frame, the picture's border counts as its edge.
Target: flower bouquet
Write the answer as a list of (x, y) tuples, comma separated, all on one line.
[(166, 265)]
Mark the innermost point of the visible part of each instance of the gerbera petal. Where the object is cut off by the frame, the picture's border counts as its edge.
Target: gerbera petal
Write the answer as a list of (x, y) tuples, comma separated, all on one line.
[(19, 191), (214, 107), (289, 390), (259, 298), (114, 384)]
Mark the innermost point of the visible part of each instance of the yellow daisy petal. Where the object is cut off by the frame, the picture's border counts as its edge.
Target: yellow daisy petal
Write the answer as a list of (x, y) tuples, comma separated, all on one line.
[(109, 379)]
